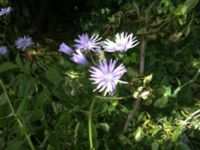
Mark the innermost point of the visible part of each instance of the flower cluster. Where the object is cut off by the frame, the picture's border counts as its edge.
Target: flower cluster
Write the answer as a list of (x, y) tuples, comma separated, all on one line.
[(21, 43), (106, 74)]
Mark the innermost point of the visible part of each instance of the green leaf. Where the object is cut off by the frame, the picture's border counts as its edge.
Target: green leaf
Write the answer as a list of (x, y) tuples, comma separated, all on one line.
[(161, 102), (2, 141), (3, 99), (22, 107), (190, 4), (183, 9), (182, 146), (155, 146), (176, 134), (167, 92), (147, 79), (139, 134), (104, 126), (53, 76), (26, 87), (15, 144), (7, 66)]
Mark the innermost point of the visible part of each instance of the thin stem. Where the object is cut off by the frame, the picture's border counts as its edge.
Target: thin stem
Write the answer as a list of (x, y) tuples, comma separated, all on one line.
[(192, 80), (10, 105), (186, 121), (17, 119), (90, 125), (142, 56), (76, 132), (131, 115), (113, 97)]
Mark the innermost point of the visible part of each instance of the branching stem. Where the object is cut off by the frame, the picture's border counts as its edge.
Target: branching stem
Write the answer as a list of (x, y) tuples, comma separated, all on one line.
[(137, 103)]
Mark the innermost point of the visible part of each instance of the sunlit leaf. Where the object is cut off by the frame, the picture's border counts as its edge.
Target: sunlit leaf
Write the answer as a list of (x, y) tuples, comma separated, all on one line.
[(139, 134)]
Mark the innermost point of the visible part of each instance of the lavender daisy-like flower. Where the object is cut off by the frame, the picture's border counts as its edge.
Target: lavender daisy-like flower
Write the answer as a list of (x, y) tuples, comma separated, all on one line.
[(23, 42), (5, 10), (88, 43), (123, 42), (79, 58), (65, 49), (106, 76), (3, 50)]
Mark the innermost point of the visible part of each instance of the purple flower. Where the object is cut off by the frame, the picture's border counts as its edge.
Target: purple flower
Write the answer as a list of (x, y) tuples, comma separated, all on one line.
[(23, 42), (5, 10), (65, 49), (123, 42), (106, 76), (79, 58), (3, 50), (88, 43)]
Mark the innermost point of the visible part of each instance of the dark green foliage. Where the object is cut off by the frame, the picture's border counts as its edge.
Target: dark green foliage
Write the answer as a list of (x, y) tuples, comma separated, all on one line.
[(51, 96)]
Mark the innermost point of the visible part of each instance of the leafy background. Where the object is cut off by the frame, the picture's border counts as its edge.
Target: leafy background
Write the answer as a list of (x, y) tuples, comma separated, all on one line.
[(52, 97)]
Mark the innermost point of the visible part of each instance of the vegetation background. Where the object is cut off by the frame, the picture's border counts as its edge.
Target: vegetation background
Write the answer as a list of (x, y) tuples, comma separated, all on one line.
[(51, 97)]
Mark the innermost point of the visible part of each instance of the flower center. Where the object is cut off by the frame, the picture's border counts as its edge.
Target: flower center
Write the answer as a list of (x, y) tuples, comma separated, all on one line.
[(109, 77), (90, 44), (121, 46)]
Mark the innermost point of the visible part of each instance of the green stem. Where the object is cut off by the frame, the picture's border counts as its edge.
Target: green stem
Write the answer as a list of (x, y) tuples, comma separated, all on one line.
[(17, 119), (113, 98), (192, 80), (90, 125)]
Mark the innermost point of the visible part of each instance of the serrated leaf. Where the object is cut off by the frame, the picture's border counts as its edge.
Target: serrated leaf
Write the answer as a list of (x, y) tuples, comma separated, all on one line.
[(167, 92), (139, 134), (147, 79), (144, 95)]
